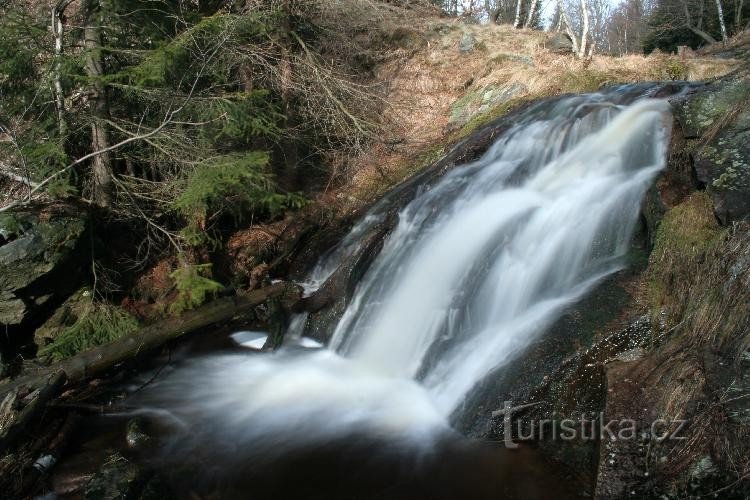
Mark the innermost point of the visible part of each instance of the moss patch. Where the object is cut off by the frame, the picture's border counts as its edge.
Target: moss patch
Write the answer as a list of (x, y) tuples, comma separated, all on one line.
[(99, 324), (684, 237)]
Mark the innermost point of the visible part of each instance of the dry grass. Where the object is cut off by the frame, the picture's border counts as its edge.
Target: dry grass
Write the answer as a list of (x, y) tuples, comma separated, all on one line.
[(425, 80)]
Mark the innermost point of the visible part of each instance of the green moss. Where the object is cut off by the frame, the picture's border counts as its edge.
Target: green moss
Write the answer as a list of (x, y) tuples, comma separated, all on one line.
[(99, 324), (683, 240), (493, 113), (193, 288), (9, 225), (703, 111)]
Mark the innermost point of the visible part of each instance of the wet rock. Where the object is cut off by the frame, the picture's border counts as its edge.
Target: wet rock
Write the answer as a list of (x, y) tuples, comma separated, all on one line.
[(560, 43), (136, 436), (35, 260), (467, 43), (118, 478)]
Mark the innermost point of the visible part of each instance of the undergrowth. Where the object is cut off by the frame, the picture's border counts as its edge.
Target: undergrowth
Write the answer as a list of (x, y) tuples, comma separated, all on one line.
[(193, 287), (696, 273), (100, 324)]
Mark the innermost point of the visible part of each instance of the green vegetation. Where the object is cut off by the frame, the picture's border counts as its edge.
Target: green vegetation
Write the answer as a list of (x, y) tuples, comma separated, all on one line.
[(99, 324), (193, 288), (684, 238), (235, 184)]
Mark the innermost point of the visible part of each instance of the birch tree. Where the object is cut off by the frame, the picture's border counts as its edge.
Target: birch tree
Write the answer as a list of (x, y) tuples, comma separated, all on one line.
[(720, 13)]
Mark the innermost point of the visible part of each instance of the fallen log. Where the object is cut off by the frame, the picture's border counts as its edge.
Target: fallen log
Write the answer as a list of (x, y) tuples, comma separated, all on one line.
[(21, 423), (89, 363)]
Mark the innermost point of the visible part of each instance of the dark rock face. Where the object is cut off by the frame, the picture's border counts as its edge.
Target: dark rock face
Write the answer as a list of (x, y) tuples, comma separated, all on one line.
[(37, 251), (717, 117)]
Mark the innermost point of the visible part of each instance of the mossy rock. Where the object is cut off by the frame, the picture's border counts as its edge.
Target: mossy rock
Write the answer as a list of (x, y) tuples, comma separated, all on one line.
[(36, 251), (701, 110), (479, 102), (723, 165)]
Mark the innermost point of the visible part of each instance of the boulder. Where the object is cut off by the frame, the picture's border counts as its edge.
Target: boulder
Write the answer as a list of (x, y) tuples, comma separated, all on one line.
[(718, 116), (560, 43), (37, 250), (467, 43), (479, 101)]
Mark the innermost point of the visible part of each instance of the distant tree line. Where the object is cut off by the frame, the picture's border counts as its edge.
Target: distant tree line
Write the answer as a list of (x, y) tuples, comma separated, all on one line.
[(632, 26)]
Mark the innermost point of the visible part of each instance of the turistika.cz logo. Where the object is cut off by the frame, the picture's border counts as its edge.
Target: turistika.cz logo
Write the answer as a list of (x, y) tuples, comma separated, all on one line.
[(569, 429)]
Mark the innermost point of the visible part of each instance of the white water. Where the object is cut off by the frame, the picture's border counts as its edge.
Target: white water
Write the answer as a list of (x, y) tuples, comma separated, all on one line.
[(477, 267)]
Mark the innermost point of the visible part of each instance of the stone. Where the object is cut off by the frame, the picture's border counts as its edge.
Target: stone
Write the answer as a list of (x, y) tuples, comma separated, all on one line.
[(135, 434), (718, 115), (467, 43), (37, 250), (560, 43), (117, 478), (479, 101)]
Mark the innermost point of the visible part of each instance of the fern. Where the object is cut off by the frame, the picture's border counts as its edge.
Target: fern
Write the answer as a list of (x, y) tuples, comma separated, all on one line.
[(234, 184), (100, 324), (193, 289)]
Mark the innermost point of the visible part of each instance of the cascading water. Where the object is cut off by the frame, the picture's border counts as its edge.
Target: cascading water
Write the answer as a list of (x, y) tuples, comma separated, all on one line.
[(476, 267)]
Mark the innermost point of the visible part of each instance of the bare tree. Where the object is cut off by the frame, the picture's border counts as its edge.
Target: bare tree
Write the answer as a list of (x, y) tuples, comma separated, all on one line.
[(530, 16), (583, 46), (517, 19), (720, 13)]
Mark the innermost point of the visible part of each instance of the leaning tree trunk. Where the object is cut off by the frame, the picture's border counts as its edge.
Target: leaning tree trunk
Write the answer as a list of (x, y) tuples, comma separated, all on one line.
[(517, 20), (720, 12), (94, 361), (532, 11), (564, 22), (103, 188), (695, 29)]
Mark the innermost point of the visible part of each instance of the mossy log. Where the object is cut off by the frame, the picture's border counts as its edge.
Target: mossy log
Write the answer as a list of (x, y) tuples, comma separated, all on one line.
[(94, 361)]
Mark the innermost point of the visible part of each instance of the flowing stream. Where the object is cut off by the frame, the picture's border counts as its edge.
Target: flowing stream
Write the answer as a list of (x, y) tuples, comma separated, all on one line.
[(477, 266)]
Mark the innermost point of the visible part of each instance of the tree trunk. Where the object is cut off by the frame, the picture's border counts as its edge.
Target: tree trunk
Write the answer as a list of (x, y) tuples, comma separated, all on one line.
[(720, 12), (289, 144), (689, 24), (738, 16), (564, 22), (532, 11), (103, 188), (584, 30), (517, 20), (708, 38), (495, 16), (58, 31)]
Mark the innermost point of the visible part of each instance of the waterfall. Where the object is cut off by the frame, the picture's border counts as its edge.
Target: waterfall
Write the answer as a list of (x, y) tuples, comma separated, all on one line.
[(476, 267)]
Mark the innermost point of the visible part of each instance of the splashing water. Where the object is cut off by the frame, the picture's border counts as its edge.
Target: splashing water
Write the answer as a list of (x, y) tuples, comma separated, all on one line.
[(477, 266)]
